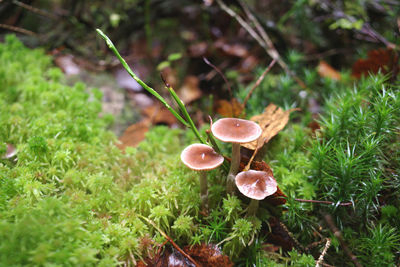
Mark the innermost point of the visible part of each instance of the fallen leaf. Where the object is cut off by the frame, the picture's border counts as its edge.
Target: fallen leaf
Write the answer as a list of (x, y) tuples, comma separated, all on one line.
[(271, 121), (327, 71), (229, 109), (236, 50), (158, 114), (134, 134), (208, 255), (248, 64), (190, 90), (384, 60), (198, 49), (204, 255)]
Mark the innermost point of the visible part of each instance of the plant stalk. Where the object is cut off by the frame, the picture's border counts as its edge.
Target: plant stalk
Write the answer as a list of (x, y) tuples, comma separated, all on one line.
[(253, 207), (204, 191), (235, 162), (138, 80)]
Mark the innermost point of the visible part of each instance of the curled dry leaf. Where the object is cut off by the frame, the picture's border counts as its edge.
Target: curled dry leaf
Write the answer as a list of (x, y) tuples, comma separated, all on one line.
[(271, 121), (327, 71), (229, 109)]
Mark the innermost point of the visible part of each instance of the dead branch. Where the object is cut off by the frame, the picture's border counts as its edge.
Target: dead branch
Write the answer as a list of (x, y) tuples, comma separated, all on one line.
[(220, 73), (18, 29), (171, 241), (321, 257), (338, 235), (323, 202), (259, 80), (32, 9)]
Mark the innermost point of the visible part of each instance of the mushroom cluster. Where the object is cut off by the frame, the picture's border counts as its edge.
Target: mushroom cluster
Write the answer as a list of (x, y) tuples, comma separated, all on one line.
[(235, 131), (256, 185)]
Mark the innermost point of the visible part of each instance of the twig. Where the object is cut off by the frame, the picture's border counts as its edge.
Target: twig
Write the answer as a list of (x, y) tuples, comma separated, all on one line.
[(297, 243), (321, 257), (263, 40), (18, 29), (250, 30), (271, 50), (170, 240), (41, 12), (259, 80), (323, 202), (220, 73), (338, 235), (254, 154)]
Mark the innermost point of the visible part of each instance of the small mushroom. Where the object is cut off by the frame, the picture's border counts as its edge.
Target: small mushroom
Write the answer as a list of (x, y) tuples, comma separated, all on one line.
[(235, 131), (200, 157), (256, 185)]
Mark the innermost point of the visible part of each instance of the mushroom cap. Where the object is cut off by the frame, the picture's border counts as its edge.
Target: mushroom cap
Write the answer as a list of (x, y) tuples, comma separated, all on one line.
[(200, 157), (235, 130), (256, 184)]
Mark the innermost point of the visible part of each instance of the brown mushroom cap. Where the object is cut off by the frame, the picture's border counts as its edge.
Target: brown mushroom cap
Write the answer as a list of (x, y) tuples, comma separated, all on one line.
[(201, 157), (256, 184), (235, 130)]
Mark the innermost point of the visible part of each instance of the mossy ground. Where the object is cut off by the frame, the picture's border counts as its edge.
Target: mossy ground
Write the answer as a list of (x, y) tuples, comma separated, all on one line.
[(72, 198)]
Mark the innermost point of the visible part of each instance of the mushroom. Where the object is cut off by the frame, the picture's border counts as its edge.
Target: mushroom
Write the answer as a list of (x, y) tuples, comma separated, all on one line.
[(235, 131), (200, 157), (256, 185)]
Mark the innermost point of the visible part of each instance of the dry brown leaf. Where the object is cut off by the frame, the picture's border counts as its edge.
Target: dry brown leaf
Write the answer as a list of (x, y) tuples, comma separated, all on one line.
[(158, 114), (134, 134), (190, 90), (327, 71), (229, 109), (236, 50), (271, 121), (384, 60), (208, 255)]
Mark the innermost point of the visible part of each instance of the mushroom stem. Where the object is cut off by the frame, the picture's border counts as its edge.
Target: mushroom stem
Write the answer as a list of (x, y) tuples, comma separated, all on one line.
[(204, 191), (253, 207), (235, 162)]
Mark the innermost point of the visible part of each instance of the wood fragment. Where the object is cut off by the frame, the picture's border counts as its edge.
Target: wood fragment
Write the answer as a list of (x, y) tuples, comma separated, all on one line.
[(323, 202), (259, 80), (321, 257), (329, 220), (170, 240)]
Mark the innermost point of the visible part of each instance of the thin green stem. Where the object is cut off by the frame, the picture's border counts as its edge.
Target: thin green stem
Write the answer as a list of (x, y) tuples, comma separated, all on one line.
[(139, 81), (182, 108)]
